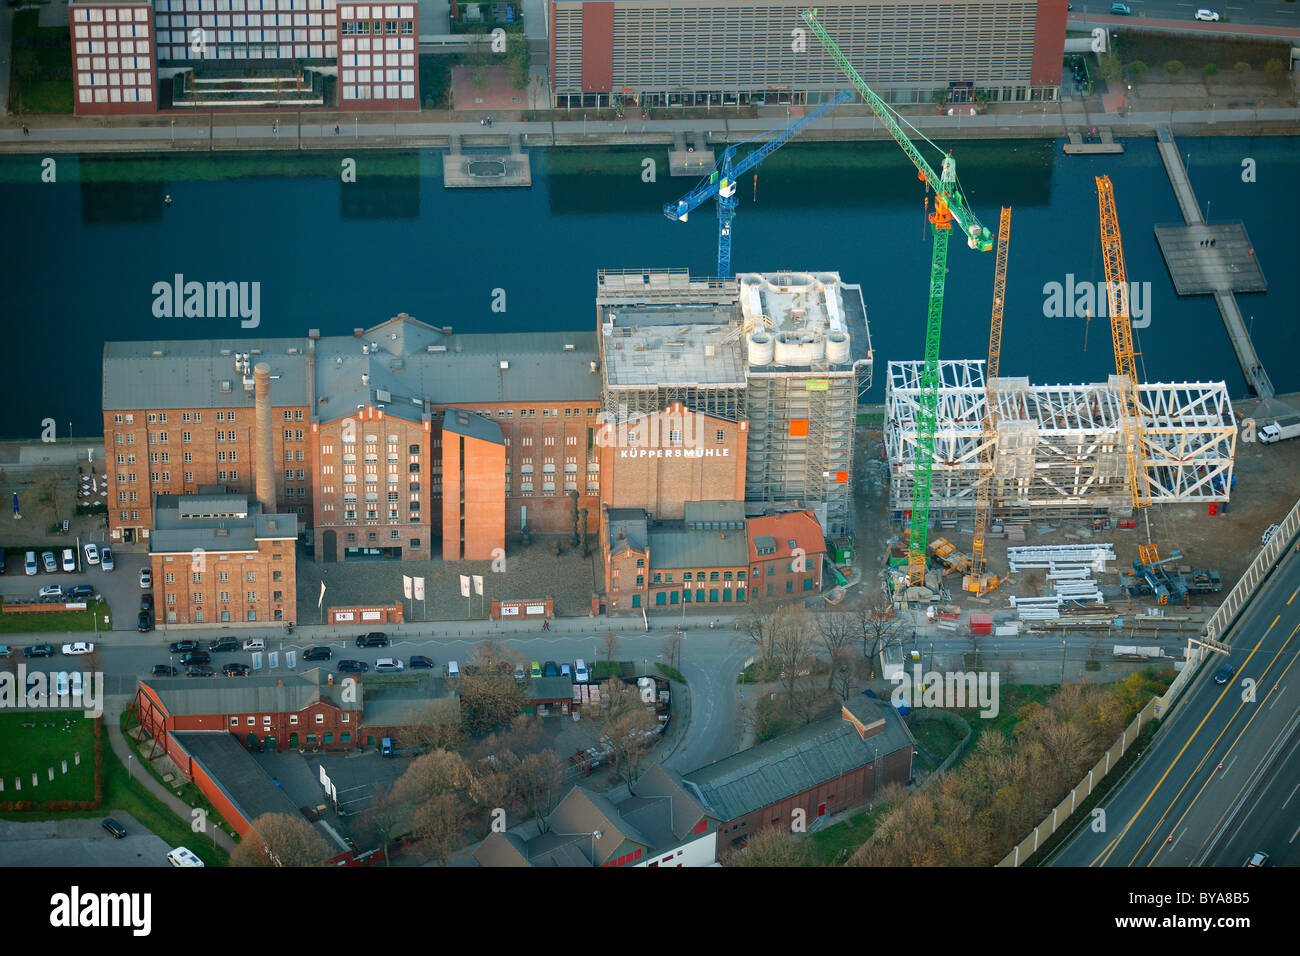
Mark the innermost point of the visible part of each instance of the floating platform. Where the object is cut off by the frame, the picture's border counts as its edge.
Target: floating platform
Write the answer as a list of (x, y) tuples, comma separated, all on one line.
[(689, 160), (485, 169), (1230, 265), (1077, 147)]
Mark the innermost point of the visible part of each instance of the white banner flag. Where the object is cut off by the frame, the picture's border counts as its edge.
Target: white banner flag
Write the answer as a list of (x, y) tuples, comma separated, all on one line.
[(406, 586), (464, 585), (419, 589), (478, 584), (322, 594)]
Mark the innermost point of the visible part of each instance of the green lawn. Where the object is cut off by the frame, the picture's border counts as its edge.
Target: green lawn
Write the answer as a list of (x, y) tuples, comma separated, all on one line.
[(41, 81), (1156, 49), (937, 736), (56, 621), (29, 750), (834, 844)]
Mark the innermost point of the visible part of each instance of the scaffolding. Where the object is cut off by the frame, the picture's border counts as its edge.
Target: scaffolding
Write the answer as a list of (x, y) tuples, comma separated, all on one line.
[(1058, 450)]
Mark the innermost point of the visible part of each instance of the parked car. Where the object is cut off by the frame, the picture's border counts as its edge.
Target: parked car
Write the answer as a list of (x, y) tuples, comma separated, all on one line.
[(78, 648), (180, 647), (236, 670), (550, 669), (1224, 673), (113, 827), (353, 667), (69, 560), (419, 660), (146, 579), (144, 622), (52, 591), (106, 558), (29, 563), (373, 639), (580, 672), (535, 669), (317, 654), (164, 670), (1258, 859), (194, 670), (254, 644), (223, 645), (92, 553), (196, 657), (146, 601), (1120, 9), (1209, 16), (520, 673), (565, 671), (48, 562), (81, 592), (39, 650)]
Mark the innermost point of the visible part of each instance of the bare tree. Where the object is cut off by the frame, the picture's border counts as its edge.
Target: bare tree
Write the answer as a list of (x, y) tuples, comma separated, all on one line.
[(792, 630), (611, 645), (672, 648), (279, 839), (442, 771), (843, 680), (629, 737), (754, 631), (879, 626), (492, 785), (434, 727), (488, 700), (436, 826), (834, 632), (772, 846), (538, 780), (386, 816)]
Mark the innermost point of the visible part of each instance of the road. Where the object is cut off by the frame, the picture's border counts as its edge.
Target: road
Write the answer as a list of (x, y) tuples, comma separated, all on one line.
[(1211, 787), (1268, 13)]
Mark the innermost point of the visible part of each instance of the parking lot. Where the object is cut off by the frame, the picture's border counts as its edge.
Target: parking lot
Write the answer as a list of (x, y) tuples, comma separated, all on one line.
[(79, 842), (120, 587)]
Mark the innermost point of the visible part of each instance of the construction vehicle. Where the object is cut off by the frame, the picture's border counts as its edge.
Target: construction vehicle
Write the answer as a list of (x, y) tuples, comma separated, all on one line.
[(979, 581), (1151, 577), (721, 181), (1202, 581), (947, 552), (949, 206)]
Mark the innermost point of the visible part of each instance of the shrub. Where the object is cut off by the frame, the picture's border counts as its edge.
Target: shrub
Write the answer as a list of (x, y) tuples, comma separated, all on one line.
[(1210, 69), (1137, 68), (1242, 66), (1174, 67)]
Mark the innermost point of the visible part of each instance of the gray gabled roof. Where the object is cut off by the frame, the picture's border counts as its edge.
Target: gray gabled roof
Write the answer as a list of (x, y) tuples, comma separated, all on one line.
[(257, 693), (460, 421), (584, 812), (174, 532), (188, 373), (232, 768), (698, 549), (795, 762), (502, 849), (626, 527)]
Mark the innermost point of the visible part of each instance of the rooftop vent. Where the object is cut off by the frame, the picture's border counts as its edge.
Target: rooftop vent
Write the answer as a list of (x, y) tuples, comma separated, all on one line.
[(225, 352), (253, 352), (593, 367), (313, 333), (220, 532), (568, 346), (365, 349), (293, 350), (338, 360), (383, 396), (358, 332), (365, 378), (224, 386), (156, 353), (437, 348), (504, 364), (396, 365)]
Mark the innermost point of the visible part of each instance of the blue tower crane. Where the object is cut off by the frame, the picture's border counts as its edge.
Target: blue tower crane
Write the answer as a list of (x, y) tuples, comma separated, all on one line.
[(721, 182)]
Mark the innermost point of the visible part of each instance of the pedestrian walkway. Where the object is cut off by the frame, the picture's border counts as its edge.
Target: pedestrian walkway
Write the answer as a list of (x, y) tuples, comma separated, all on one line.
[(113, 709)]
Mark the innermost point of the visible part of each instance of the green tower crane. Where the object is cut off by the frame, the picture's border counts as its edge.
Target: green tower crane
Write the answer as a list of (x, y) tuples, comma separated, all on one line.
[(949, 206)]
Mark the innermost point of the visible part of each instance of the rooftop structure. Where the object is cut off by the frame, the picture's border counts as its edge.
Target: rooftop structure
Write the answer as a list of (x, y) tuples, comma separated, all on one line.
[(1058, 448)]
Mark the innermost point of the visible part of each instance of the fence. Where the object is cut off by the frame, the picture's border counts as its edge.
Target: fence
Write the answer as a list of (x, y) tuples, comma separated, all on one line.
[(1065, 809)]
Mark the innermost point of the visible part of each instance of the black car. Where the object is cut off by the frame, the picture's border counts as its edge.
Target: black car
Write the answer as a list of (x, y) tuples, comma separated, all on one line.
[(113, 827), (353, 667), (235, 670), (195, 671), (144, 621), (164, 670), (373, 639), (317, 654), (180, 647), (419, 660), (2, 561), (146, 602), (222, 646), (196, 657), (550, 669), (81, 592), (38, 650)]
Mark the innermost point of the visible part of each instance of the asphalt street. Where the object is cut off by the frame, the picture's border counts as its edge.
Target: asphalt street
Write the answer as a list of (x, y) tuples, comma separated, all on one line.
[(1219, 780)]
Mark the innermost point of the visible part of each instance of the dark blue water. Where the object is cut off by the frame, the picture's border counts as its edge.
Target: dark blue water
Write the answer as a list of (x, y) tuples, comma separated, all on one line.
[(84, 253)]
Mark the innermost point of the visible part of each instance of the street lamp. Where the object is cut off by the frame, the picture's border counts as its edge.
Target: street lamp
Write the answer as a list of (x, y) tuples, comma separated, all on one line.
[(173, 132), (129, 758)]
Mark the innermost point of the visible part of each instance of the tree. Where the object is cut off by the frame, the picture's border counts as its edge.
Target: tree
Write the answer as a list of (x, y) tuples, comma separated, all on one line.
[(672, 648), (1174, 67), (879, 626), (611, 645), (1274, 69), (834, 633), (1136, 69), (434, 727), (493, 784), (1210, 69), (386, 816), (435, 825), (772, 846), (843, 680), (279, 839), (442, 771), (1241, 66), (792, 646), (629, 737), (538, 779), (488, 699)]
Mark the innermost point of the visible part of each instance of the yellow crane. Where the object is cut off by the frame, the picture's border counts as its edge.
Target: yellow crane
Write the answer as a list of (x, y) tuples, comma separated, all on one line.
[(978, 581), (1121, 334)]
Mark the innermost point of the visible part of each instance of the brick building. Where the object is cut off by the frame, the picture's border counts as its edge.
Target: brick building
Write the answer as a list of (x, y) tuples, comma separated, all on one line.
[(473, 487), (217, 558), (786, 554), (820, 769)]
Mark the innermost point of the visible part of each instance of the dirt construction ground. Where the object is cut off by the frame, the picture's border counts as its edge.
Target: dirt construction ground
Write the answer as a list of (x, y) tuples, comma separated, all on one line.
[(1267, 487)]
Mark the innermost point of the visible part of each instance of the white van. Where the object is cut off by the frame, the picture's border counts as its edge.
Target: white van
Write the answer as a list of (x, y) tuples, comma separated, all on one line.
[(254, 644), (453, 669), (29, 564), (183, 857), (388, 665)]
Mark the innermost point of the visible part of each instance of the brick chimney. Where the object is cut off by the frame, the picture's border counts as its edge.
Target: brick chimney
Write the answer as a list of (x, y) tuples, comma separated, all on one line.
[(263, 448)]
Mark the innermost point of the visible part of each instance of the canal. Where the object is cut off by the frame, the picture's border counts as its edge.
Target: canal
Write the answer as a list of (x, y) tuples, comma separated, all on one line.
[(84, 252)]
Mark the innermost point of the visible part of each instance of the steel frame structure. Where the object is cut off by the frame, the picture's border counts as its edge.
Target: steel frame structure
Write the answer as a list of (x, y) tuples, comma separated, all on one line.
[(1056, 449)]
